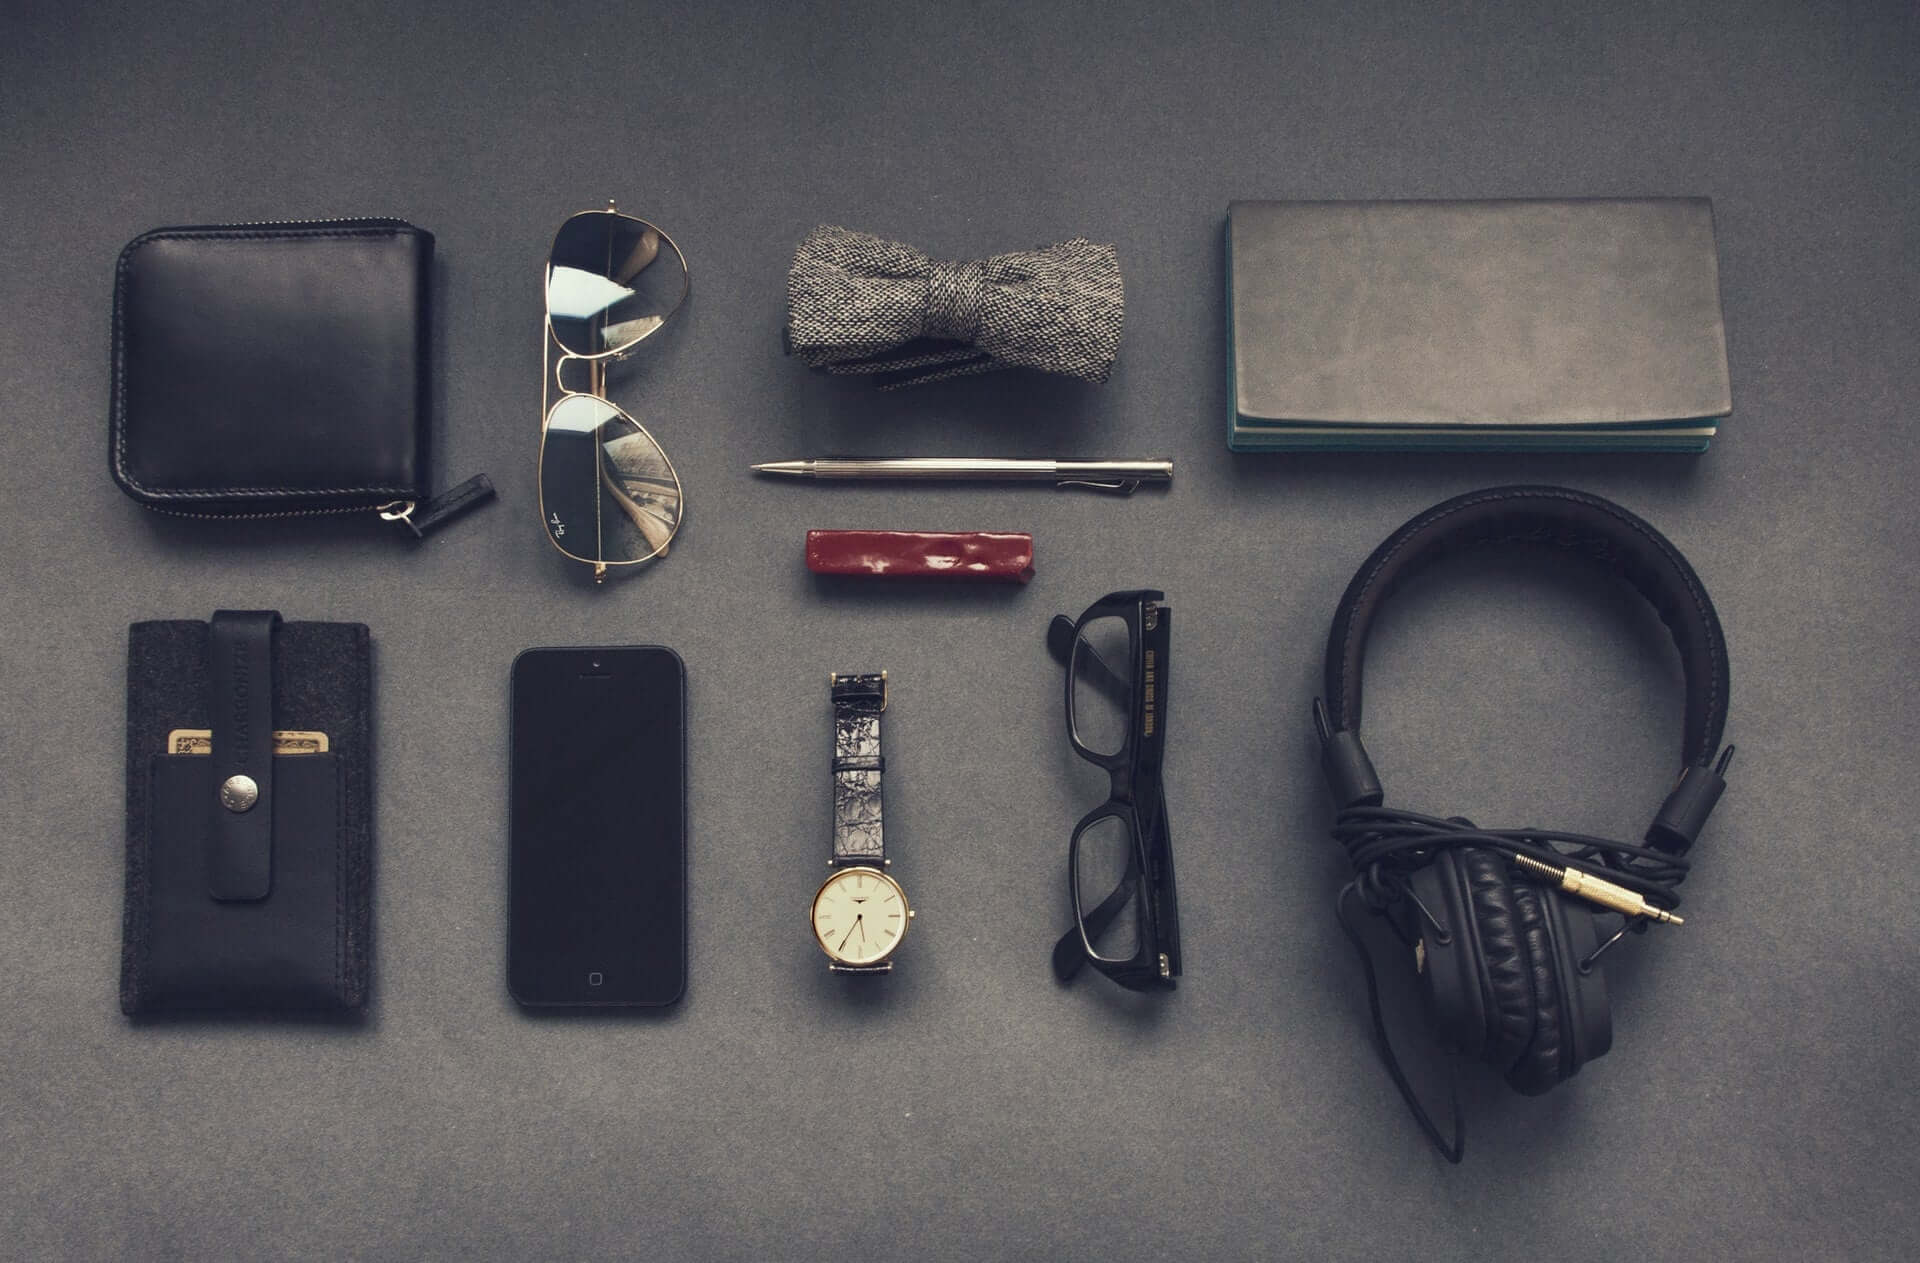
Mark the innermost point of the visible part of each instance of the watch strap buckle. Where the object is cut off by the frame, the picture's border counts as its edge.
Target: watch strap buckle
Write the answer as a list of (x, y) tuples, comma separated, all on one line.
[(857, 687)]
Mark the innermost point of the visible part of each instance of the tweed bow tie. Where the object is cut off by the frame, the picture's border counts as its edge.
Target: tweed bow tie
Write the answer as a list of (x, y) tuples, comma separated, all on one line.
[(857, 303)]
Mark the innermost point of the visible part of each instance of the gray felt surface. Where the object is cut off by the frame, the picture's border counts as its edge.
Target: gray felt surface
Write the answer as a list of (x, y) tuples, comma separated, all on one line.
[(1759, 1100)]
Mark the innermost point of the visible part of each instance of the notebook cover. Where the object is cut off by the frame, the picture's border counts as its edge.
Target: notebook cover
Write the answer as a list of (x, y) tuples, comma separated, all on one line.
[(1474, 317)]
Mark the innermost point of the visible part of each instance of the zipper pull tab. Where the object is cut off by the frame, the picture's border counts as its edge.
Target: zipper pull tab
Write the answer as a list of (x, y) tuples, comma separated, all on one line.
[(424, 519)]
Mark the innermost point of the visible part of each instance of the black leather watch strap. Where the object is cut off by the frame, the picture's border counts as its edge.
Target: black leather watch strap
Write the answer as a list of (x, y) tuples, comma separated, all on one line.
[(857, 765)]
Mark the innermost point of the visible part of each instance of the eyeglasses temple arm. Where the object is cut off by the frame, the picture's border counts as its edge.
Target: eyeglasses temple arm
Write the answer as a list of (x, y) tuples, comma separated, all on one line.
[(1093, 668), (1069, 954), (1060, 639)]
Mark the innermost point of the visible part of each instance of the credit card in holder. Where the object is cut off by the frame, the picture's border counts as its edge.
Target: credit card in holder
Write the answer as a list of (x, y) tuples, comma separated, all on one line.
[(285, 741)]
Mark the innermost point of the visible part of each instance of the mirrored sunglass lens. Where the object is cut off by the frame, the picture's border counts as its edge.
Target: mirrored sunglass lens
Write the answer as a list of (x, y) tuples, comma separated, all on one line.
[(611, 281), (607, 491), (1102, 671), (1109, 888)]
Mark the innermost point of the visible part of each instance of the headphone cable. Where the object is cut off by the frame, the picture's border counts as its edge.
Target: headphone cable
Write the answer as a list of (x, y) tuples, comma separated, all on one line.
[(1386, 846), (1452, 1150)]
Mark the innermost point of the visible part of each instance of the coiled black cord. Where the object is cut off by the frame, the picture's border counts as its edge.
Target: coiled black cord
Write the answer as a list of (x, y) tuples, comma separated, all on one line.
[(1386, 846)]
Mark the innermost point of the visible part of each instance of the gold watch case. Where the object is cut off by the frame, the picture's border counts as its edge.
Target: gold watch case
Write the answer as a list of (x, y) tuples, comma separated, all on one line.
[(840, 908)]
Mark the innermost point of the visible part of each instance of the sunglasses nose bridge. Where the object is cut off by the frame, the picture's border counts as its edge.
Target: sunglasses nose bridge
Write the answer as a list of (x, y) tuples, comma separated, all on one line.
[(596, 374)]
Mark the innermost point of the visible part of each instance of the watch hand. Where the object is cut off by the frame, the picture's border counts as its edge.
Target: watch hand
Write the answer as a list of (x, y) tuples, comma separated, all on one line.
[(861, 928), (849, 934)]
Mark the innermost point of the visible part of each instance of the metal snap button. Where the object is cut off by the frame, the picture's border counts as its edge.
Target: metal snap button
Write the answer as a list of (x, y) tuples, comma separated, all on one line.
[(239, 793)]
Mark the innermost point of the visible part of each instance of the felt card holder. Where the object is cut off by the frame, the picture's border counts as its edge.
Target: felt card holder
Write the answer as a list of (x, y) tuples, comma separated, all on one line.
[(249, 798)]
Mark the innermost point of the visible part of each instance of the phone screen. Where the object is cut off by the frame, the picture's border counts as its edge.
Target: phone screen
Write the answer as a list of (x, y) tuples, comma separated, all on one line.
[(597, 874)]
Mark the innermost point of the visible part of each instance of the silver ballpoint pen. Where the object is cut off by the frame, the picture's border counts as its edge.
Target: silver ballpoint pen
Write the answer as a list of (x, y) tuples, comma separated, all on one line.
[(1121, 476)]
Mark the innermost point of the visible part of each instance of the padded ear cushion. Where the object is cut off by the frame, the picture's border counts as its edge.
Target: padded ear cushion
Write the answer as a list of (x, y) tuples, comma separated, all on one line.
[(1542, 1063), (1504, 967)]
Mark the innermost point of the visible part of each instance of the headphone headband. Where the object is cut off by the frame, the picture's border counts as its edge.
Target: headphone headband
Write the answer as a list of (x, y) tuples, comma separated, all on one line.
[(1555, 517)]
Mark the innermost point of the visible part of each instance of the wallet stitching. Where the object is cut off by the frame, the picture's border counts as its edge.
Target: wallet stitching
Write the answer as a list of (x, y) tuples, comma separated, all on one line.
[(146, 887), (355, 849), (140, 879), (118, 420), (132, 928), (339, 881)]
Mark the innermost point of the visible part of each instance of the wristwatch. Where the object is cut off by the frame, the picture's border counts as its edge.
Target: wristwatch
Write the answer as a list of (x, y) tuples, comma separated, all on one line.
[(859, 914)]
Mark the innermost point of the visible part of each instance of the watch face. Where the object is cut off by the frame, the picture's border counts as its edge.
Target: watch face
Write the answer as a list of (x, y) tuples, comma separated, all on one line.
[(860, 915)]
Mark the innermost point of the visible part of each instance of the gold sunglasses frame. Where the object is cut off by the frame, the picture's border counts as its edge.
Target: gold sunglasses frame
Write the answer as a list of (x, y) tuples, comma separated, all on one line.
[(597, 363)]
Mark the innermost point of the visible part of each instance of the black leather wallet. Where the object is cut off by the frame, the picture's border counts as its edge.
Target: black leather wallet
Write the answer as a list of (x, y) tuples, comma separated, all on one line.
[(269, 370), (249, 844)]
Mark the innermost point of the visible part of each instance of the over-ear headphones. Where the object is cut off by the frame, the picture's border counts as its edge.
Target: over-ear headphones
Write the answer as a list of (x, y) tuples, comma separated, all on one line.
[(1502, 922)]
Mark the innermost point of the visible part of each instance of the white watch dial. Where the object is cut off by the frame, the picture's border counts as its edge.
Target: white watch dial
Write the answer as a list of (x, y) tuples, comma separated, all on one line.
[(860, 915)]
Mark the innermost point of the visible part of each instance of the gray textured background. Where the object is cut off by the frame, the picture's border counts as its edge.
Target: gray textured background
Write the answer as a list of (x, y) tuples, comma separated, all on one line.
[(1759, 1101)]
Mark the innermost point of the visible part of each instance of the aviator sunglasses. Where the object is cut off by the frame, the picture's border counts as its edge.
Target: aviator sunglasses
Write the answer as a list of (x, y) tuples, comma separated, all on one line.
[(608, 494)]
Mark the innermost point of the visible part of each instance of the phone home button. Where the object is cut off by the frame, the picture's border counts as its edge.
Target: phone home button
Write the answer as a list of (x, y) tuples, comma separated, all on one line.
[(594, 979)]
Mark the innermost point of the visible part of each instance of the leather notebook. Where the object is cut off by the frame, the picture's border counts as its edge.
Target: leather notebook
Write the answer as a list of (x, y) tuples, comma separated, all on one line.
[(249, 799), (1592, 324), (278, 370)]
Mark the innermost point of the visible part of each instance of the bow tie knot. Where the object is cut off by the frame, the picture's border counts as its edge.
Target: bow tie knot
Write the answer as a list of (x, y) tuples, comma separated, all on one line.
[(956, 301), (857, 303)]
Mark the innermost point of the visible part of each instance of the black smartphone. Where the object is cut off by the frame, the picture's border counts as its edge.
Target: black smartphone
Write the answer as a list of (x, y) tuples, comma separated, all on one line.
[(597, 891)]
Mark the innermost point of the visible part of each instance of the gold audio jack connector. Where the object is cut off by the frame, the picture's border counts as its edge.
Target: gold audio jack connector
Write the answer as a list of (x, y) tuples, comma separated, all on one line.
[(1597, 890)]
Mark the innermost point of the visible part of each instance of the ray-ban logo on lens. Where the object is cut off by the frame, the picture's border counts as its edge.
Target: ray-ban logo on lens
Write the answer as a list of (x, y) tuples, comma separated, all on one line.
[(559, 528)]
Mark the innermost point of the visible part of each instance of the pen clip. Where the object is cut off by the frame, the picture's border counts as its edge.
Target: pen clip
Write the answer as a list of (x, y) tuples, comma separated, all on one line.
[(1118, 487)]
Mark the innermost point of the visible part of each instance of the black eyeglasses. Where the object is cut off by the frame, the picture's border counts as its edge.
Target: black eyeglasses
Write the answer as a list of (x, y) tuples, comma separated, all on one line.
[(1120, 864)]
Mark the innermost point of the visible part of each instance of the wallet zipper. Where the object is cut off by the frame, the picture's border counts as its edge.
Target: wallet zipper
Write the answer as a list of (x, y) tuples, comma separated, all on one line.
[(432, 514), (311, 223), (278, 513)]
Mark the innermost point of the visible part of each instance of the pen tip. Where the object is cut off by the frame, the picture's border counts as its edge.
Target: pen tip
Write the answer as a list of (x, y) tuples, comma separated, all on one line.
[(762, 469)]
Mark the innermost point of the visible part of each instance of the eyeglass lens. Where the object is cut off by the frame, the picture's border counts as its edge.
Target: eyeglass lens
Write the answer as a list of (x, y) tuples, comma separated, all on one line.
[(611, 281), (1107, 878), (607, 490), (1102, 672)]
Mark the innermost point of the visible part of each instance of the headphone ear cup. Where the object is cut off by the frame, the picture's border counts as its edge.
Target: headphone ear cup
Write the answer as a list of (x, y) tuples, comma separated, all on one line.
[(1502, 959), (1575, 936), (1543, 1062), (1568, 1021), (1447, 960)]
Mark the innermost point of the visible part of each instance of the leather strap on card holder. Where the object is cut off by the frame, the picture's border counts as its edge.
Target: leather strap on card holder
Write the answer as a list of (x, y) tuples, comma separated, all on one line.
[(240, 707)]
